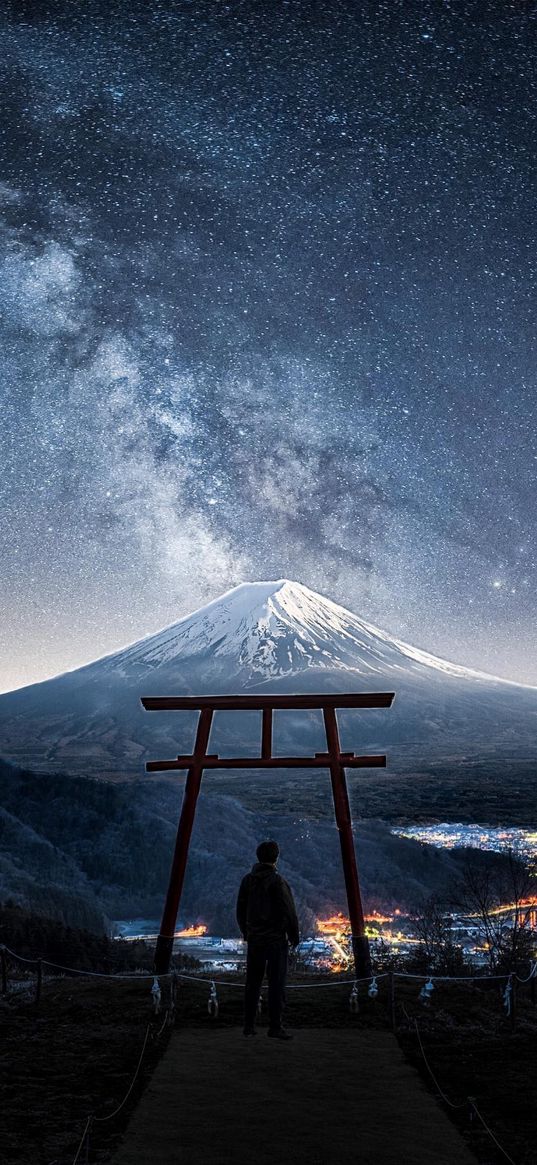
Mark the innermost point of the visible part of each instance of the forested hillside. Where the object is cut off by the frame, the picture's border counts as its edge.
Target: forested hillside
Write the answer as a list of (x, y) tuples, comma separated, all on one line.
[(77, 847), (87, 852)]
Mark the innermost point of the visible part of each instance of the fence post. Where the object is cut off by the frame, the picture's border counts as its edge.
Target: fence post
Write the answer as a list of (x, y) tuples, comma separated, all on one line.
[(392, 999), (174, 988), (39, 981), (3, 964), (532, 986), (512, 1015)]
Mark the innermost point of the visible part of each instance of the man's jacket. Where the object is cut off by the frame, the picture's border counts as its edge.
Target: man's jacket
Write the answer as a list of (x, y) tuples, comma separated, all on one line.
[(265, 907)]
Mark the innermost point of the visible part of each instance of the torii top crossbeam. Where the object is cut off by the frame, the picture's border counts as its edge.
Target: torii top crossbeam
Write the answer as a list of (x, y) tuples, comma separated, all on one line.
[(266, 704), (235, 703)]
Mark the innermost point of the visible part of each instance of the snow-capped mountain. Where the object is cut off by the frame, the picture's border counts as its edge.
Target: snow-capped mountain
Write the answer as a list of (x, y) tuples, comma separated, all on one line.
[(274, 629), (271, 636)]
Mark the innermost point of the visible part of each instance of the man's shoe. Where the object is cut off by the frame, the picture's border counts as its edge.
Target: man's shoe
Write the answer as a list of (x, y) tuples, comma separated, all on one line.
[(249, 1031), (279, 1034)]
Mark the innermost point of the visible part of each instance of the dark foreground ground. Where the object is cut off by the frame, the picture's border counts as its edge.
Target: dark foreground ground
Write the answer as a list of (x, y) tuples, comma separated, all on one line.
[(77, 1054), (332, 1095)]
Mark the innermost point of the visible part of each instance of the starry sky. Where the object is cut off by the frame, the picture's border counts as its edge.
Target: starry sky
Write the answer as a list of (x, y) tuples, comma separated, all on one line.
[(268, 308)]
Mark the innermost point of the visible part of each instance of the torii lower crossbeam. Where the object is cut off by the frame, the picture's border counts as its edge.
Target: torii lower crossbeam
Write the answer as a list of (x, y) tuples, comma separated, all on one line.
[(334, 759)]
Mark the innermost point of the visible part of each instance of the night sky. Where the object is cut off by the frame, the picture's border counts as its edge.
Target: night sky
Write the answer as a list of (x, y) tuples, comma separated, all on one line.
[(268, 308)]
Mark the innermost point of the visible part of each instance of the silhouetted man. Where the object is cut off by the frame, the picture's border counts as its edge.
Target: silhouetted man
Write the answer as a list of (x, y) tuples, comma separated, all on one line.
[(267, 919)]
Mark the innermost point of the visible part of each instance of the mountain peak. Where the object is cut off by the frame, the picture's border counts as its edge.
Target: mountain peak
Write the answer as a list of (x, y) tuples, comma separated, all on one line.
[(271, 628), (256, 590), (267, 630)]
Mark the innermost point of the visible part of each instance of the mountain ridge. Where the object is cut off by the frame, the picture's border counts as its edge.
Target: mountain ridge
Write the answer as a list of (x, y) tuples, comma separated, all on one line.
[(305, 612)]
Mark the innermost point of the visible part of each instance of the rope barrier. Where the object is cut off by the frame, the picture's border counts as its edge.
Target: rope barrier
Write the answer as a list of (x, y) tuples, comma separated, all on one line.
[(81, 1145), (445, 1098), (339, 982), (137, 976), (21, 958), (289, 986), (164, 1022), (141, 976), (100, 1119), (464, 1103), (111, 1115), (240, 986), (489, 1131), (366, 979)]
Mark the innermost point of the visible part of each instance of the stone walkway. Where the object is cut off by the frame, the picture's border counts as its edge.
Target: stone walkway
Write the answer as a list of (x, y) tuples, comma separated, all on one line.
[(329, 1097)]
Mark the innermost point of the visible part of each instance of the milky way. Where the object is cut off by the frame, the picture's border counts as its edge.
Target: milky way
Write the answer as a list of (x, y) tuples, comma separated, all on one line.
[(268, 308)]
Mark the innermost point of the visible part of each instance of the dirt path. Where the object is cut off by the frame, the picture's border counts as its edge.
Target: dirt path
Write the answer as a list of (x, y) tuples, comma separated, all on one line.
[(327, 1097)]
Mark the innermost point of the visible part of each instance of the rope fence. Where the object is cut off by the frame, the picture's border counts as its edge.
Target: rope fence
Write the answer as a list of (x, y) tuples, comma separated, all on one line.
[(468, 1103), (138, 976), (427, 981), (489, 1131), (427, 984), (92, 1119)]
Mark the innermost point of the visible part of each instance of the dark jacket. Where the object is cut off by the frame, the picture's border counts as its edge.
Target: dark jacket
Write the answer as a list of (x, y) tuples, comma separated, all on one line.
[(265, 907)]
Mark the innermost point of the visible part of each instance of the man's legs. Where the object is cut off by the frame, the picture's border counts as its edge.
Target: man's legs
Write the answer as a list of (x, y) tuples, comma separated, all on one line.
[(276, 974), (256, 959)]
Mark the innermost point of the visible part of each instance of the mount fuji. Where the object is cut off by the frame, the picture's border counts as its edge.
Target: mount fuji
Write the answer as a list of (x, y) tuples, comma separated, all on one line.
[(262, 637)]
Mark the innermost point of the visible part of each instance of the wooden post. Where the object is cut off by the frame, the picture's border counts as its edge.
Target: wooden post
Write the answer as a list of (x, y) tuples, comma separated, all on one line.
[(512, 1014), (360, 944), (39, 982), (532, 989), (164, 945), (3, 964), (391, 983), (174, 991)]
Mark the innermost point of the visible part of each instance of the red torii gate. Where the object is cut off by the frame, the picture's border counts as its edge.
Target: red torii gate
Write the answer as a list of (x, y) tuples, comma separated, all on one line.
[(333, 759)]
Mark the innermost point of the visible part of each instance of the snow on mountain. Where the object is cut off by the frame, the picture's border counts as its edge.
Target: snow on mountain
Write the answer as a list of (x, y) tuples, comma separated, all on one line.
[(273, 629)]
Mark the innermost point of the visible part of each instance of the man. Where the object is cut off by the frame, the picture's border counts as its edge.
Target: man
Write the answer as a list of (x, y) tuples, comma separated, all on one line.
[(267, 919)]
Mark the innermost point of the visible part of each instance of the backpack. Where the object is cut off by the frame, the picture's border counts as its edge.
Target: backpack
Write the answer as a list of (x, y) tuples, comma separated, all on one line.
[(260, 907)]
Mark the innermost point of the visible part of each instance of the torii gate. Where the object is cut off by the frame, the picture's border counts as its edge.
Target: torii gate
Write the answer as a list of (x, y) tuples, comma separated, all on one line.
[(333, 759)]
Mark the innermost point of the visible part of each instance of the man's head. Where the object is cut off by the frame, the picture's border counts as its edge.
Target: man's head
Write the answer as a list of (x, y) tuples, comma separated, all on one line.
[(269, 852)]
